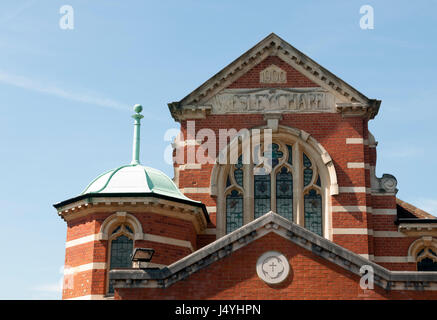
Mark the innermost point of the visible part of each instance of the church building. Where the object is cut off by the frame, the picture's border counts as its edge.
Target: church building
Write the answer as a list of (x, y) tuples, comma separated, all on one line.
[(274, 196)]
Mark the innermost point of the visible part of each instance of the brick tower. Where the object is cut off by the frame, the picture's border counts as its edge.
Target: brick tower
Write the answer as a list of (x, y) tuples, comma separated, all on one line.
[(126, 207)]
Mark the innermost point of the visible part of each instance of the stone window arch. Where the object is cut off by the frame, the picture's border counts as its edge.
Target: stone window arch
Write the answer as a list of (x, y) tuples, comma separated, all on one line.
[(120, 230), (298, 187), (423, 252)]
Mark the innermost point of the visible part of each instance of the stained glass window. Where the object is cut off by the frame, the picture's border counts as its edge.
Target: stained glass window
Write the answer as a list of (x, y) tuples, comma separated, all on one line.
[(284, 194), (228, 182), (307, 171), (318, 181), (116, 229), (313, 212), (275, 188), (262, 195), (427, 264), (274, 153), (121, 250), (238, 173), (234, 211), (290, 155)]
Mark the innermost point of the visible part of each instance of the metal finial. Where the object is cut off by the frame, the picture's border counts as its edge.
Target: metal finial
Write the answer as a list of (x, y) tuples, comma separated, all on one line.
[(136, 145)]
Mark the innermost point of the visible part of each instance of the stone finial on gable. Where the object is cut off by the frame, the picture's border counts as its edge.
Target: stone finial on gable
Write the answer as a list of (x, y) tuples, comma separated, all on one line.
[(273, 74)]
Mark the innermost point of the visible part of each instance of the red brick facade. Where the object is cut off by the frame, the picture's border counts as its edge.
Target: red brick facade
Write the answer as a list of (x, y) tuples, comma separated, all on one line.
[(362, 216), (234, 277)]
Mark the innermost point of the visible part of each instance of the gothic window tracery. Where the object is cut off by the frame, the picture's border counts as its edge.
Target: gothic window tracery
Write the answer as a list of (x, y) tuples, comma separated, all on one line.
[(427, 259), (292, 188)]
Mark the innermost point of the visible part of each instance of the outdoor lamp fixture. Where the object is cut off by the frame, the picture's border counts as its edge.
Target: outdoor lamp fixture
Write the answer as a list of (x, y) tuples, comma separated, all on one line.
[(140, 255)]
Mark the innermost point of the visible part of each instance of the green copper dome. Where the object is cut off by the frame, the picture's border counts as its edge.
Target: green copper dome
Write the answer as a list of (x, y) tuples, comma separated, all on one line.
[(135, 178)]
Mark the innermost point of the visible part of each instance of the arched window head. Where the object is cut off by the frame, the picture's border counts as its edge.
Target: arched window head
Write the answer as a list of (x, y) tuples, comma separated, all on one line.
[(427, 260), (292, 187), (120, 249), (423, 252)]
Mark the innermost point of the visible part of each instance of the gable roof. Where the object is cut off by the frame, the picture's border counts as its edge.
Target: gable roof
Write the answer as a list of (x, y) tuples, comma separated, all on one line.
[(270, 222), (273, 45), (408, 211)]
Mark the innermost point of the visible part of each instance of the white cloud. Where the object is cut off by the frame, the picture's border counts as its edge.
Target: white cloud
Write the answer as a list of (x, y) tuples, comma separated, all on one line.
[(38, 86)]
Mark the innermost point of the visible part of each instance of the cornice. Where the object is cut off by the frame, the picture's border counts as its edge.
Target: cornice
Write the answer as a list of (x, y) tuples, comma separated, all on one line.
[(273, 45)]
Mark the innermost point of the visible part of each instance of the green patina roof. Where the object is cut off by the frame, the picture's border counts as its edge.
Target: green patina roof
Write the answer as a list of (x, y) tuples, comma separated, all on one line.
[(135, 178)]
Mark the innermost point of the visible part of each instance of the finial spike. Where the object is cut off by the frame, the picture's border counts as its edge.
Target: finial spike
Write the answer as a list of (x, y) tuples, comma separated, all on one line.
[(136, 145)]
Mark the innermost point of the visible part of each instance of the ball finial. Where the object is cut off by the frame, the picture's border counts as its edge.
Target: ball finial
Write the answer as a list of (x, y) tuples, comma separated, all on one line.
[(138, 108)]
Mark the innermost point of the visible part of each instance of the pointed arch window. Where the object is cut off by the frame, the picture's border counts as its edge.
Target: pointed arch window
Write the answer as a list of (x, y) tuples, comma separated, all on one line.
[(121, 245), (427, 260), (292, 187)]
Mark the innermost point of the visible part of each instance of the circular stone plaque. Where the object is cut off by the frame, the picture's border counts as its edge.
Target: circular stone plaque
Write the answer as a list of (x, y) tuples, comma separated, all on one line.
[(272, 267)]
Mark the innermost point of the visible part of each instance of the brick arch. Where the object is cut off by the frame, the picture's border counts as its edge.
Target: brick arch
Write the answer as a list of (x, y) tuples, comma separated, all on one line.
[(284, 133)]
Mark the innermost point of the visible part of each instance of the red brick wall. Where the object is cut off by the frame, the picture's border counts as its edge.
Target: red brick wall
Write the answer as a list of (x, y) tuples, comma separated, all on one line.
[(329, 129), (94, 281), (234, 277)]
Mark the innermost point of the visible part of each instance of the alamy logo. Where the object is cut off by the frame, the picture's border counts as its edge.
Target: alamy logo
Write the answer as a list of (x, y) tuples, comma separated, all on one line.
[(367, 278), (367, 20), (67, 20), (201, 147)]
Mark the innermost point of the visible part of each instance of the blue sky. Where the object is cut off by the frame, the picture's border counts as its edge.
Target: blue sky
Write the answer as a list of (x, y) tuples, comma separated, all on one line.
[(66, 97)]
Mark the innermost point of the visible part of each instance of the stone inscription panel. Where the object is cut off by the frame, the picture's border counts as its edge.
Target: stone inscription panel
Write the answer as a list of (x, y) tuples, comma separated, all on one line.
[(272, 100)]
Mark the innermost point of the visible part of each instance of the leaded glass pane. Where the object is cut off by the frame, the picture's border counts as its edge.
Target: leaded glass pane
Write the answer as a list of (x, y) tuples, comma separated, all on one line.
[(290, 155), (262, 194), (274, 153), (239, 164), (228, 182), (313, 212), (238, 174), (116, 229), (306, 161), (284, 194), (318, 181), (121, 250), (128, 229), (307, 172), (234, 211)]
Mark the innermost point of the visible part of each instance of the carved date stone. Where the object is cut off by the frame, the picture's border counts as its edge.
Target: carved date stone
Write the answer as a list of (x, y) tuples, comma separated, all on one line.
[(273, 74)]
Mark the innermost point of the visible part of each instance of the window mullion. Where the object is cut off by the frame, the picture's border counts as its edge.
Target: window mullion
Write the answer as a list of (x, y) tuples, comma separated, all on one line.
[(273, 191), (298, 215), (248, 214)]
